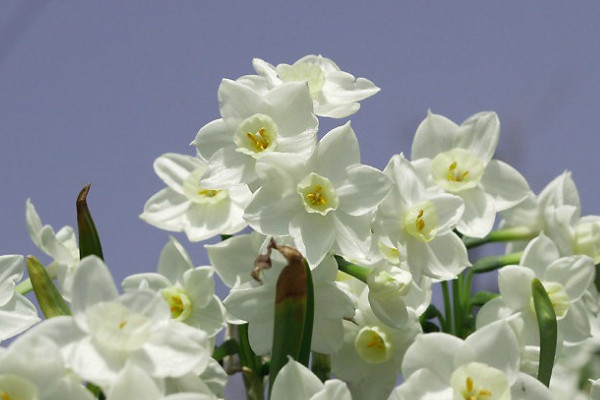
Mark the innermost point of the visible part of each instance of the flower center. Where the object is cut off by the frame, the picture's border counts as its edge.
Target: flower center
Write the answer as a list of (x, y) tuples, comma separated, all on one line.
[(14, 387), (558, 297), (198, 194), (303, 71), (117, 327), (478, 381), (255, 135), (587, 240), (372, 345), (456, 170), (178, 301), (421, 221), (318, 194)]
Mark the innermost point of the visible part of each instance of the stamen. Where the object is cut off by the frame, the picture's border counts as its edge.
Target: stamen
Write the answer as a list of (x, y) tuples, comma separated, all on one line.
[(469, 384), (4, 395), (122, 324), (316, 198), (208, 192), (420, 222), (259, 139)]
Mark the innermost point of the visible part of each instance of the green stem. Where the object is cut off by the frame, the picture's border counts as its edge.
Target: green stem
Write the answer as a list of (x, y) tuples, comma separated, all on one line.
[(321, 365), (501, 235), (227, 348), (433, 312), (447, 308), (490, 263), (360, 273), (250, 367), (457, 305)]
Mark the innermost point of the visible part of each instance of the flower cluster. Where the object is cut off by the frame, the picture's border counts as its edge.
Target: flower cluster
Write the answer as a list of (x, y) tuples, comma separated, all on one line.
[(329, 263)]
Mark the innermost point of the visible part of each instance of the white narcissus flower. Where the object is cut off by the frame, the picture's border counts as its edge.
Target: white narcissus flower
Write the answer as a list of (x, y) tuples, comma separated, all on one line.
[(62, 246), (189, 291), (17, 313), (32, 367), (186, 206), (421, 223), (335, 93), (254, 124), (565, 280), (296, 382), (458, 160), (324, 203), (370, 358), (254, 302), (108, 331), (483, 366)]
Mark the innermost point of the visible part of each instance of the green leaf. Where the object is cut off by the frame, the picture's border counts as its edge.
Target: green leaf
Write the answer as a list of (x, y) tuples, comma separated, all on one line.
[(89, 241), (290, 312), (546, 319), (310, 316), (49, 298)]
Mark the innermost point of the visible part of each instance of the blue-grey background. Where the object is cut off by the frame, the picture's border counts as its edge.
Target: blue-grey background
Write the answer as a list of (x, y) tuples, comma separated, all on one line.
[(94, 91)]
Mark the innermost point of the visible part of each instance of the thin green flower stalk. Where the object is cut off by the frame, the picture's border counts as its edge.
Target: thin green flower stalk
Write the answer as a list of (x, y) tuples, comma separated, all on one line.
[(501, 235), (546, 319)]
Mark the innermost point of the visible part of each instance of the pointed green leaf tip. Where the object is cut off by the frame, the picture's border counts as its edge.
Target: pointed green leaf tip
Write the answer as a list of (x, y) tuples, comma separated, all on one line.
[(546, 319), (293, 312), (49, 298), (89, 241)]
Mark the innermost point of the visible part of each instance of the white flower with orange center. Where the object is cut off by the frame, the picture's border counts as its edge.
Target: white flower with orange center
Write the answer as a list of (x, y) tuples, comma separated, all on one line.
[(324, 203), (565, 280), (421, 223), (485, 366), (187, 206), (458, 160), (335, 93), (255, 123)]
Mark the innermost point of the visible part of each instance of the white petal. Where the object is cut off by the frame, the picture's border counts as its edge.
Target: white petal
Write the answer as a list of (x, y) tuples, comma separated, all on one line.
[(92, 284), (353, 236), (166, 210), (434, 351), (479, 134), (269, 213), (539, 254), (292, 110), (174, 169), (238, 101), (174, 261), (560, 192), (492, 311), (200, 285), (336, 151), (514, 283), (575, 273), (480, 213), (442, 258), (423, 385), (365, 188), (295, 382), (434, 135), (212, 137), (235, 257), (313, 235), (526, 387), (133, 383), (496, 345), (210, 318), (228, 167), (152, 281), (282, 171), (505, 184), (390, 310), (11, 268), (449, 210), (406, 182), (174, 351), (575, 326), (207, 220), (333, 389), (333, 110)]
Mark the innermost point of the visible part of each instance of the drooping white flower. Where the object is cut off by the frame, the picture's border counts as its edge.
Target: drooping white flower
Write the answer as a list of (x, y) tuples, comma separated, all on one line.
[(108, 331), (565, 280), (32, 367), (483, 366), (186, 206), (189, 291), (335, 93), (296, 382), (324, 203), (254, 302), (458, 160), (17, 313), (421, 223), (253, 124), (62, 246)]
